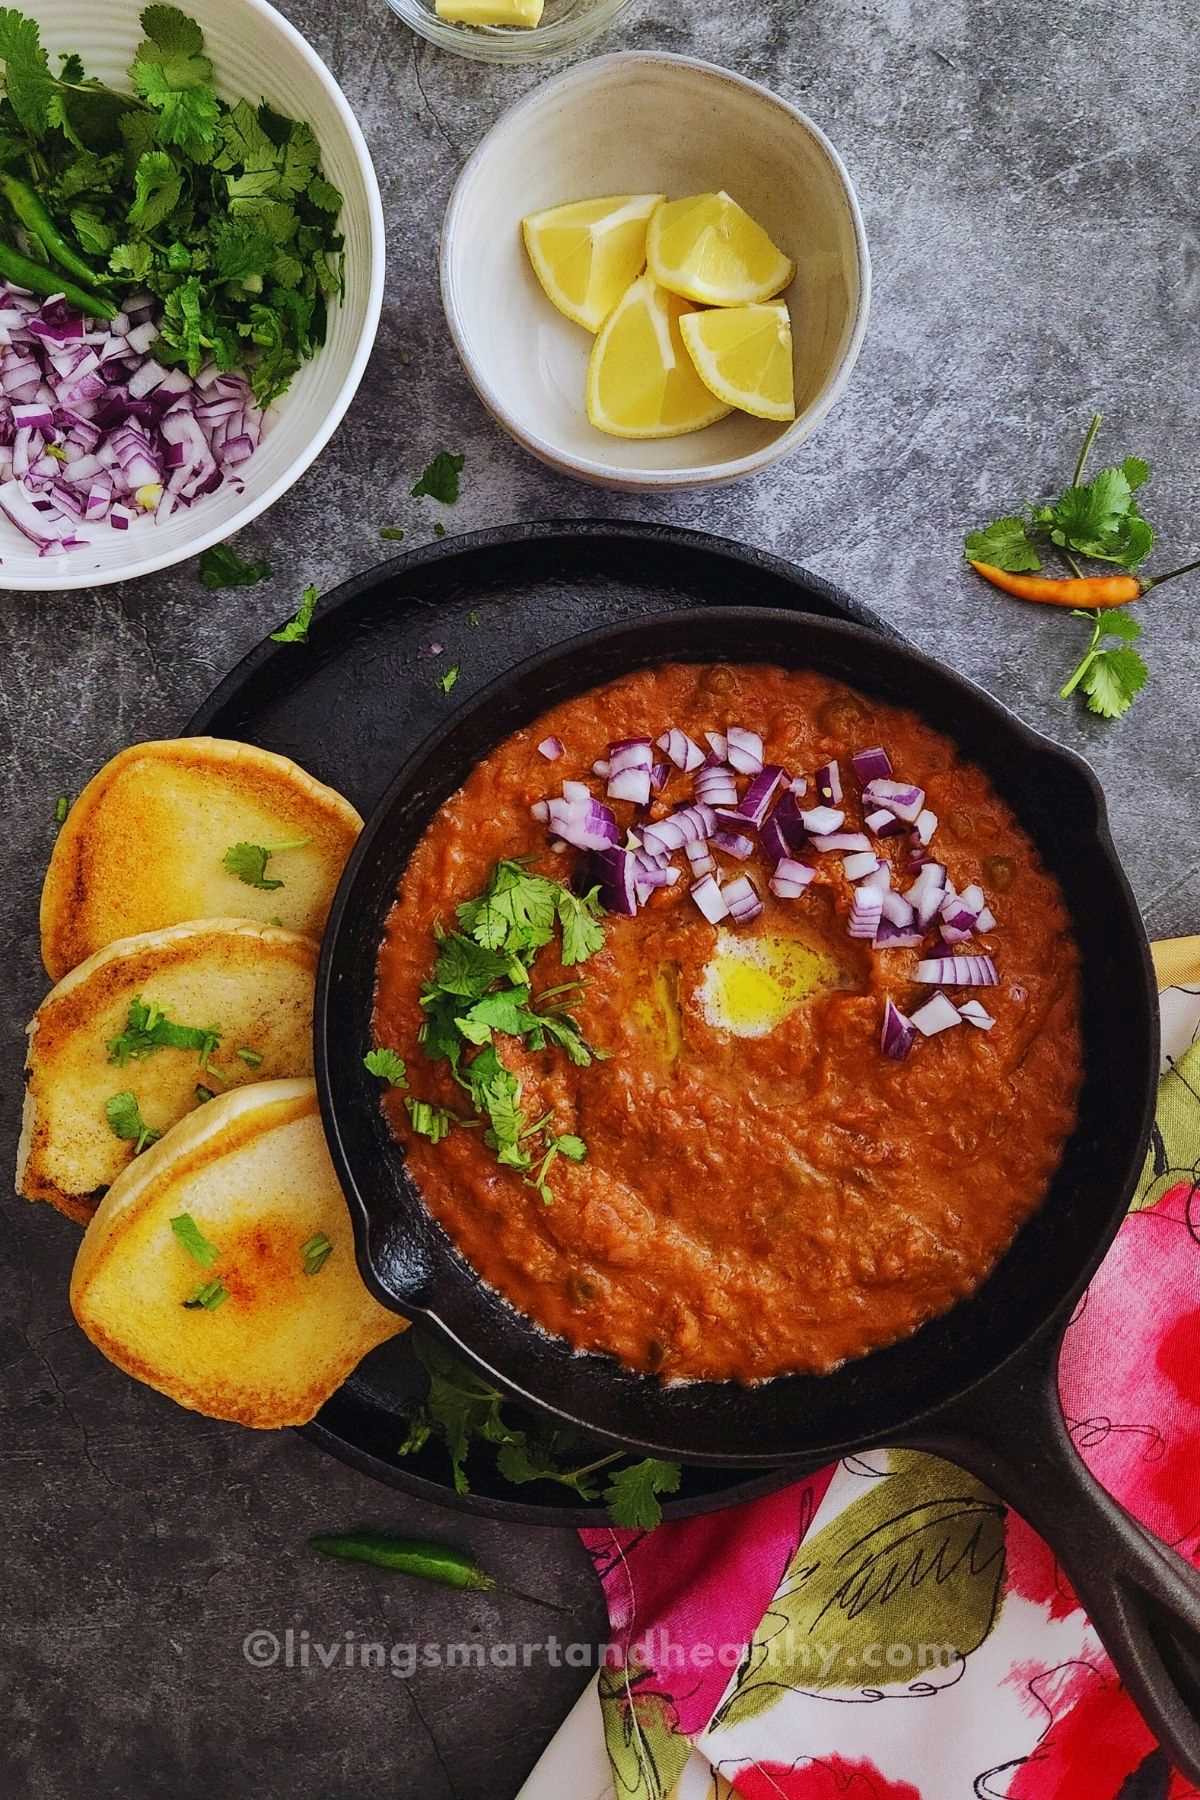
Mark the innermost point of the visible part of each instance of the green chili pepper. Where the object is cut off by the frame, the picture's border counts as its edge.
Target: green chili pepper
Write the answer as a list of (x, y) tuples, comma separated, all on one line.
[(40, 279), (410, 1556), (33, 215)]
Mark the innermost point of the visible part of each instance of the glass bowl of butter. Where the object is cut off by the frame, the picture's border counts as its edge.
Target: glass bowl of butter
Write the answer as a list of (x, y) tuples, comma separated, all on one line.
[(509, 31)]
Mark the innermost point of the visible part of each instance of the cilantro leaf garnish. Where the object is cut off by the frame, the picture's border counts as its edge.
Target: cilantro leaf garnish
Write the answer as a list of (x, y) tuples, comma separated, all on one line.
[(1005, 544), (189, 1234), (632, 1493), (388, 1065), (516, 912), (579, 916), (62, 807), (251, 1058), (447, 681), (28, 82), (175, 78), (296, 629), (125, 1120), (148, 1028), (440, 478), (222, 567), (1111, 677), (463, 1412), (433, 1122), (315, 1253), (249, 862)]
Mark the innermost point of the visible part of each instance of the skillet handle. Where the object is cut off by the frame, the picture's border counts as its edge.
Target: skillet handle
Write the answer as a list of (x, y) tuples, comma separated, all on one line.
[(1142, 1597)]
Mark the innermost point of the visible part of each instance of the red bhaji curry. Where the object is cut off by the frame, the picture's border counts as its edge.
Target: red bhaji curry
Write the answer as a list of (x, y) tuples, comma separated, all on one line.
[(764, 1190)]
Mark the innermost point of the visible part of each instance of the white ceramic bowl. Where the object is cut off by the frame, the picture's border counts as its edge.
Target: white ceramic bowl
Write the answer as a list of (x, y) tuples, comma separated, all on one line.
[(256, 55), (648, 123)]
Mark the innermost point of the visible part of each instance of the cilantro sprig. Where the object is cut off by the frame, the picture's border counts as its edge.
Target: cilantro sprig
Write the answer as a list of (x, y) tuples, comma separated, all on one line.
[(1100, 519), (125, 1121), (249, 862), (220, 566), (466, 1415), (1111, 676), (222, 212)]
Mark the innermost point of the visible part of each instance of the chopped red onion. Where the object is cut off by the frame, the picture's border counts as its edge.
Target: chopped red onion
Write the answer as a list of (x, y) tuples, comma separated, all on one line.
[(716, 787), (756, 801), (681, 750), (897, 937), (938, 1014), (629, 784), (659, 774), (733, 843), (862, 862), (718, 743), (576, 790), (976, 1014), (710, 899), (986, 920), (899, 912), (629, 753), (541, 811), (899, 1033), (700, 858), (897, 797), (880, 877), (828, 782), (841, 840), (872, 765), (866, 912), (616, 872), (926, 825), (790, 878), (551, 748), (799, 786), (973, 897), (652, 873), (744, 750), (600, 767), (784, 833), (958, 971), (822, 820), (741, 897), (928, 892), (587, 825)]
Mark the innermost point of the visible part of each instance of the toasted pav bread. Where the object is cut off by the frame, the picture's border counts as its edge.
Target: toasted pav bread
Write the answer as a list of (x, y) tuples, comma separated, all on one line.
[(251, 983), (252, 1174), (144, 846)]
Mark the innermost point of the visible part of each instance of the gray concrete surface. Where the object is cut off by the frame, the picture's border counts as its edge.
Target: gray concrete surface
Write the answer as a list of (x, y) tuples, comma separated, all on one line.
[(1028, 176)]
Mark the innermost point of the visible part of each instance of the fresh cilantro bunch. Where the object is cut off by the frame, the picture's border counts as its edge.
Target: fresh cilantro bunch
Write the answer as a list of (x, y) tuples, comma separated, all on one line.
[(222, 212), (1100, 519), (462, 1411)]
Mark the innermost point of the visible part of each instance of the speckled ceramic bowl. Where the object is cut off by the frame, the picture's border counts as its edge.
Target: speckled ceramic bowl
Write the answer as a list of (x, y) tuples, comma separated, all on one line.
[(648, 123), (256, 53)]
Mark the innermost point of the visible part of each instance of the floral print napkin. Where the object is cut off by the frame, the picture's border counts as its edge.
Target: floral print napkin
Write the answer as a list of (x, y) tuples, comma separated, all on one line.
[(887, 1629)]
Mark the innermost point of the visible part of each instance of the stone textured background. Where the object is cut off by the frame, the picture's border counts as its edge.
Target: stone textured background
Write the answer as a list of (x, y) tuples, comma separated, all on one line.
[(1029, 179)]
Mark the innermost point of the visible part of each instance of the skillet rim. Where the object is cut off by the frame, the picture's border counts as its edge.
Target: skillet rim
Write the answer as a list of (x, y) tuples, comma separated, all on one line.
[(447, 1263)]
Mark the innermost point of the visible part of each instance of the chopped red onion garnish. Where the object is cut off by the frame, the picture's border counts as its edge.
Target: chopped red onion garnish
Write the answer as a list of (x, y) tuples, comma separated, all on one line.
[(898, 797), (551, 748), (958, 971), (883, 823), (938, 1014), (576, 790), (799, 786), (928, 892), (616, 873), (790, 878), (926, 825), (716, 787), (899, 912), (899, 1033), (828, 783), (710, 899), (629, 753), (659, 775), (973, 897), (600, 767), (841, 840), (586, 824), (741, 897), (733, 843), (880, 877), (784, 833), (700, 858), (744, 750), (866, 912), (756, 801), (681, 750), (629, 784), (872, 765), (897, 937), (986, 920), (718, 743), (862, 862), (822, 820), (651, 873), (976, 1014)]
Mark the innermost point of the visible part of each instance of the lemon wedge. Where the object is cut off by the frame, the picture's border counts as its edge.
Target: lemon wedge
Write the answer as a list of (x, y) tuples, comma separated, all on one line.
[(524, 13), (711, 251), (641, 381), (586, 254), (743, 355)]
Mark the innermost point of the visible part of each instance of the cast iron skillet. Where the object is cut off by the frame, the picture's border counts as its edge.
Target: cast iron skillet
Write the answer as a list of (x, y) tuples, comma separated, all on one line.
[(978, 1385)]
